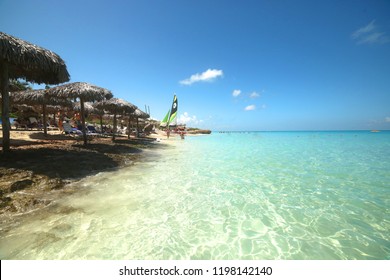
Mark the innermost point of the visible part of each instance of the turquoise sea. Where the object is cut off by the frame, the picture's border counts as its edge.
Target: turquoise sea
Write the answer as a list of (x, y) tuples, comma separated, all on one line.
[(253, 195)]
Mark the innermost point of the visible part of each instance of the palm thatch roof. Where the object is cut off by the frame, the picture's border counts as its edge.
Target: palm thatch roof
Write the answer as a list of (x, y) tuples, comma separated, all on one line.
[(84, 91), (37, 97), (25, 109), (88, 107), (30, 62), (30, 97), (116, 105), (140, 114), (54, 109)]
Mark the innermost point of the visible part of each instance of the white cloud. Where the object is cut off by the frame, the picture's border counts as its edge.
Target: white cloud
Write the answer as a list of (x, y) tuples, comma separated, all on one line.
[(387, 119), (254, 95), (250, 108), (207, 76), (185, 118), (364, 30), (236, 92), (370, 34)]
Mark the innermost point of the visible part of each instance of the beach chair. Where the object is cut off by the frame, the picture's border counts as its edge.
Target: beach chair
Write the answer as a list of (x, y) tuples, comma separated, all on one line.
[(69, 130), (33, 123), (33, 120), (49, 126), (19, 124), (91, 130)]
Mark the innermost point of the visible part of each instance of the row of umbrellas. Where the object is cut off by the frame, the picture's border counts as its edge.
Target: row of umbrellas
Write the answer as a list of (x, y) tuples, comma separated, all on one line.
[(21, 59), (87, 94)]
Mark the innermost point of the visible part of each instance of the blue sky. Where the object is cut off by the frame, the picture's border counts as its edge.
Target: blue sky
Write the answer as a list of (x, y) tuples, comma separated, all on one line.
[(234, 65)]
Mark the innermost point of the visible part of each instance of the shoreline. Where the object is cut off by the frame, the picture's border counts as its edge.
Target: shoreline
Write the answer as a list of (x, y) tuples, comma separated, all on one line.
[(39, 169)]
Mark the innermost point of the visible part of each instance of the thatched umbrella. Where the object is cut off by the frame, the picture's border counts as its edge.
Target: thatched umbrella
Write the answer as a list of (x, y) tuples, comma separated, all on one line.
[(116, 106), (100, 113), (53, 109), (138, 114), (21, 59), (38, 97), (25, 108), (83, 91), (141, 114), (88, 107)]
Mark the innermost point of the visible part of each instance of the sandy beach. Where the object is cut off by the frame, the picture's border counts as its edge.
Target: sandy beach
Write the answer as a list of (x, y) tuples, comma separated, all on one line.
[(39, 168)]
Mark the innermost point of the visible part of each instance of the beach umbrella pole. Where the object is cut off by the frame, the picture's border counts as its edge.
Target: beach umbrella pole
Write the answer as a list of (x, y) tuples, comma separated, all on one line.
[(44, 119), (5, 106), (101, 123), (114, 129), (83, 120), (137, 129), (128, 129)]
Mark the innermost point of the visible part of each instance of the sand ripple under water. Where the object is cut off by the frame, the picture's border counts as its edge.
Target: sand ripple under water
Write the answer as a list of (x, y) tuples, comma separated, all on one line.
[(238, 196)]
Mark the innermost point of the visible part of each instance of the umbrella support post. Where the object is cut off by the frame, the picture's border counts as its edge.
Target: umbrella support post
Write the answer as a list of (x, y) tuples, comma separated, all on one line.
[(128, 129), (114, 128), (5, 106), (83, 121), (44, 120)]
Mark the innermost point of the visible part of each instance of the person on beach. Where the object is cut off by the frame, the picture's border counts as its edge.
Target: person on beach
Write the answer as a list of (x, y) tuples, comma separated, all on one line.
[(60, 126), (60, 121), (77, 121)]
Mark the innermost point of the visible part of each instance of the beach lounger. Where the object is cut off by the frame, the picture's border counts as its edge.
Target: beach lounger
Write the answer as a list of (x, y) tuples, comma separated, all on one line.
[(33, 120), (75, 133), (33, 123), (69, 130), (51, 127), (91, 130), (18, 124)]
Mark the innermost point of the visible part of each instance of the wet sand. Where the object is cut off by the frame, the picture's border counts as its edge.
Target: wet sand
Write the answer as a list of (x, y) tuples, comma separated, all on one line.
[(39, 169)]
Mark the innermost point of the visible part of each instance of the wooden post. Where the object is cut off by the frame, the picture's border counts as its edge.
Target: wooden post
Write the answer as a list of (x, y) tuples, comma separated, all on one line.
[(101, 124), (128, 128), (114, 129), (137, 128), (83, 121), (5, 106), (44, 118)]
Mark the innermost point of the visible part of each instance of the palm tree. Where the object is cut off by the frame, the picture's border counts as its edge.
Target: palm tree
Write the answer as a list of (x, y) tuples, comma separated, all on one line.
[(18, 85)]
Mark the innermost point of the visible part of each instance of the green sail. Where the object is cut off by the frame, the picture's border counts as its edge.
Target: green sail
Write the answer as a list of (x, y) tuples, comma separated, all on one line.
[(164, 122), (173, 116)]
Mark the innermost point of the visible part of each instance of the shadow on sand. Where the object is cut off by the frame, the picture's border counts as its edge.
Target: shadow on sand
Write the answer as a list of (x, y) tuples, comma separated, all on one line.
[(58, 163)]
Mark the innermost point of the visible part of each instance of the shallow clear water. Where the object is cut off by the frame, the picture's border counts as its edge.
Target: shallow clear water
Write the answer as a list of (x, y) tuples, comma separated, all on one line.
[(264, 195)]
